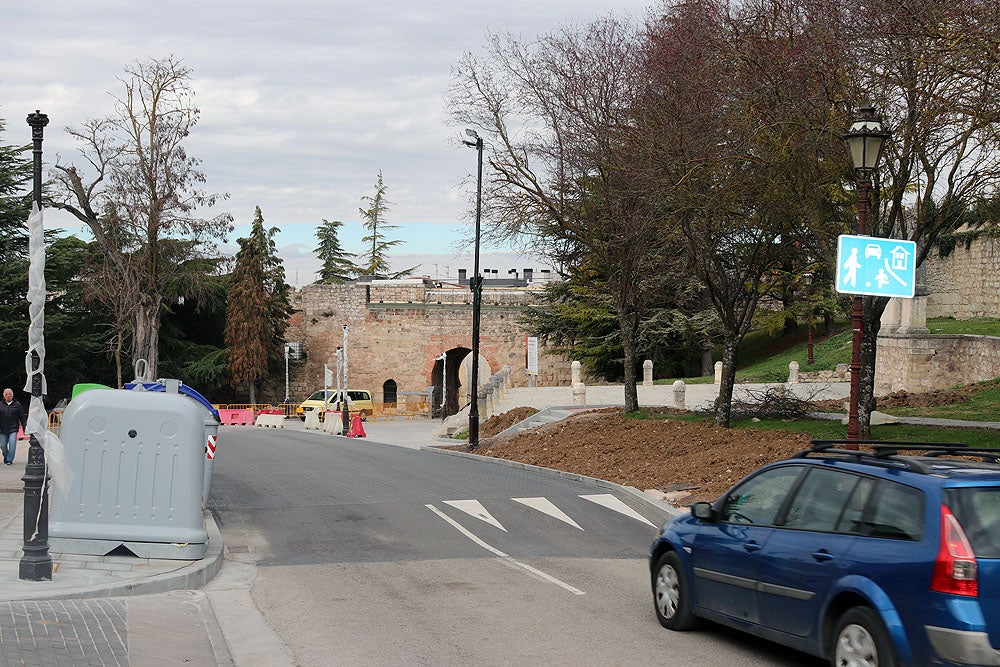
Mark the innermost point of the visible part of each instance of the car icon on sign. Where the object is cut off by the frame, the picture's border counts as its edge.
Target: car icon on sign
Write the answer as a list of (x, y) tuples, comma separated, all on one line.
[(873, 250)]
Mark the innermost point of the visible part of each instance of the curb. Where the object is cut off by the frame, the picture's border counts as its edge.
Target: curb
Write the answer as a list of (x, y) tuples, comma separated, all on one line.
[(626, 490), (188, 577)]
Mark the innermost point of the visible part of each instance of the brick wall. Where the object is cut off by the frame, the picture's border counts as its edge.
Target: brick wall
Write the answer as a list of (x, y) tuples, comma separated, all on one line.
[(924, 362), (966, 283)]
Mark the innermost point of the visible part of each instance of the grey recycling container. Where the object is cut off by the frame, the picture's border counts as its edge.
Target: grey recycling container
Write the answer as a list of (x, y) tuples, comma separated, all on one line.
[(138, 459), (211, 422)]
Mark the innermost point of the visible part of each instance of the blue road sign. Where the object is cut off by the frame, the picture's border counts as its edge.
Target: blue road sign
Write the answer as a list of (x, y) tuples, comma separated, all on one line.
[(876, 266)]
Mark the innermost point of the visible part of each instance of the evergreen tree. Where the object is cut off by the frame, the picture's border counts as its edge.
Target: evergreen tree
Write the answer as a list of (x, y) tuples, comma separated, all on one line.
[(377, 259), (15, 205), (258, 307), (337, 265)]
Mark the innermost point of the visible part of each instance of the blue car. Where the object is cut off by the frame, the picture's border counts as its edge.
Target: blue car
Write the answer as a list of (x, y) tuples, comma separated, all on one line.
[(885, 556)]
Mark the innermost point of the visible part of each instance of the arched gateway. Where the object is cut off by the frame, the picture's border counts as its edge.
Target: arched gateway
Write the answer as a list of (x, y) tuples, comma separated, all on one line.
[(417, 334)]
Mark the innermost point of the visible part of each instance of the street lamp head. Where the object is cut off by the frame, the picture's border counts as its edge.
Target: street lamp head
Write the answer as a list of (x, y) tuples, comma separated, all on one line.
[(865, 138), (808, 277), (477, 144)]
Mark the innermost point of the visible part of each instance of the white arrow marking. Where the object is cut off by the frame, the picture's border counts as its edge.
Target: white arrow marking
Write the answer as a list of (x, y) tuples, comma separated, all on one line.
[(476, 509), (502, 555), (613, 503), (545, 506)]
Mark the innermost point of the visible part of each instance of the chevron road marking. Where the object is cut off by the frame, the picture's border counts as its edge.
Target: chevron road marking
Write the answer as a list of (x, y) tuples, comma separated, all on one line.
[(476, 509), (545, 506), (613, 503), (510, 559)]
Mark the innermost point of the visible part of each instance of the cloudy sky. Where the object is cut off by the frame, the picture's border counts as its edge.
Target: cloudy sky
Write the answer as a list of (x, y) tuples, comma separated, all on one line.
[(302, 103)]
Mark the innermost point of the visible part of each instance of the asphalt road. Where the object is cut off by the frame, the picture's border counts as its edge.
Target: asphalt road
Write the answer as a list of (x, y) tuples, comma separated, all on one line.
[(355, 552)]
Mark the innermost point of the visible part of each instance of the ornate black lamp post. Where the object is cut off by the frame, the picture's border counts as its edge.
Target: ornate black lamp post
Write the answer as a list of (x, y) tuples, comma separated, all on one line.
[(808, 277), (865, 139), (36, 562), (476, 284)]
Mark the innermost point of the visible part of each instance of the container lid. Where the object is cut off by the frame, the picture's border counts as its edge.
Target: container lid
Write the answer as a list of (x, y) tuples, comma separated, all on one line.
[(184, 389)]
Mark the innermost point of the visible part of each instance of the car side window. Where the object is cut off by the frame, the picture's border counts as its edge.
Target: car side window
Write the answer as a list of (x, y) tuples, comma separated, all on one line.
[(897, 511), (758, 499), (821, 500)]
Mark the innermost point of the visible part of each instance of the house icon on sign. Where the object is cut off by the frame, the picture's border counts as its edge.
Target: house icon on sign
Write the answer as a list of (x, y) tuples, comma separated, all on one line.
[(900, 258)]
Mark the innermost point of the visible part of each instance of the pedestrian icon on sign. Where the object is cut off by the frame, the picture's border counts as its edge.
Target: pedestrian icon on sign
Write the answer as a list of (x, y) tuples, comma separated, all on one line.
[(851, 267)]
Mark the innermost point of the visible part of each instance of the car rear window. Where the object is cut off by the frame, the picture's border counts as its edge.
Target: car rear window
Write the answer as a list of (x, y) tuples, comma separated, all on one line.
[(897, 512), (978, 510)]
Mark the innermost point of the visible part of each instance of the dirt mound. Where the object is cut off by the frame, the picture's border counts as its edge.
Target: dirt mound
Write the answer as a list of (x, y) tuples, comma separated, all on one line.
[(643, 453)]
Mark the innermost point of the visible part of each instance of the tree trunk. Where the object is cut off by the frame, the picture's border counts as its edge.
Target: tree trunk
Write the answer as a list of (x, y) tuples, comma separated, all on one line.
[(724, 401), (873, 308), (628, 330), (147, 334), (253, 393)]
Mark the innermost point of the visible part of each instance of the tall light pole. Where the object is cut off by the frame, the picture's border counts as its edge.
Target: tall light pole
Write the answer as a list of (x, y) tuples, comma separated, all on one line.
[(36, 561), (476, 284), (808, 277), (865, 138)]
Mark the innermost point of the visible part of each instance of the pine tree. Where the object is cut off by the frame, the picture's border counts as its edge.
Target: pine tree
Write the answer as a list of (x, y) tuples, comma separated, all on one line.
[(373, 218), (15, 205), (258, 307), (337, 265)]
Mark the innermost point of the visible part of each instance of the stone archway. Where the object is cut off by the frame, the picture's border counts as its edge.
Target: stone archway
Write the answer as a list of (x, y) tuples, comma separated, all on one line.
[(446, 373)]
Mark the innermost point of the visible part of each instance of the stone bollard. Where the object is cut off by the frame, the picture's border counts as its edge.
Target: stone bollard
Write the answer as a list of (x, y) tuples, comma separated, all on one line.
[(842, 371), (579, 393), (490, 393), (793, 372), (718, 372), (647, 373), (575, 373), (680, 389)]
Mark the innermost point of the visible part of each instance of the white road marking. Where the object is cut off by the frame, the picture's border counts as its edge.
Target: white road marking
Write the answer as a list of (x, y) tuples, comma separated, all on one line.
[(506, 557), (545, 506), (613, 503), (476, 509)]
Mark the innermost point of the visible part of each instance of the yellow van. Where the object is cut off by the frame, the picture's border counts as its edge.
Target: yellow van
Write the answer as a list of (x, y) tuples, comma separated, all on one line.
[(358, 401)]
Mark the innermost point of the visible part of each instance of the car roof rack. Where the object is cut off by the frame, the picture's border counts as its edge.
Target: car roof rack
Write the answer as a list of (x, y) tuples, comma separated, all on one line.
[(888, 450)]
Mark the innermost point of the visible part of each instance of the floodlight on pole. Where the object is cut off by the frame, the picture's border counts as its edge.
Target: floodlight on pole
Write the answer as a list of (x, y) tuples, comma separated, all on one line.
[(476, 284)]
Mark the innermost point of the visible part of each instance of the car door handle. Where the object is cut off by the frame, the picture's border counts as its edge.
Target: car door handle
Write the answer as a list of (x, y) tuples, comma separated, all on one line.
[(822, 556), (751, 547)]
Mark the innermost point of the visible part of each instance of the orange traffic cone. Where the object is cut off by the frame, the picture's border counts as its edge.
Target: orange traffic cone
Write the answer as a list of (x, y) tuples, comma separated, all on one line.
[(356, 430)]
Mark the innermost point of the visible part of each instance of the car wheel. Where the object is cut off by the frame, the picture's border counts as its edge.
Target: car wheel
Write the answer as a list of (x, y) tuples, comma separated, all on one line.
[(861, 640), (671, 596)]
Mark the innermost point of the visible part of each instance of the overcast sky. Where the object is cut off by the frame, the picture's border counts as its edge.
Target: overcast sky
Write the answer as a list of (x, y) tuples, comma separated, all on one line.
[(302, 102)]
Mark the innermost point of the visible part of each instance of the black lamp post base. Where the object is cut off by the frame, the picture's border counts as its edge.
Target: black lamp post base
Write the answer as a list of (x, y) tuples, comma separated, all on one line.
[(31, 569)]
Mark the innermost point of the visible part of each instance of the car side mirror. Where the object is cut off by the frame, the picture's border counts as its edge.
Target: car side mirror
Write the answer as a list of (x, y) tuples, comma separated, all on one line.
[(702, 511)]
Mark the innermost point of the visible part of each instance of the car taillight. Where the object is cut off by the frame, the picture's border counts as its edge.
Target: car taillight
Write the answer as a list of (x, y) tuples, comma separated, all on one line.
[(955, 570)]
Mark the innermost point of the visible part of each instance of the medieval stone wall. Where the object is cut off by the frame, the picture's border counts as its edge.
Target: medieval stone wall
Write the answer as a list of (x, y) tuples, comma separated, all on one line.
[(925, 362), (397, 331), (966, 283)]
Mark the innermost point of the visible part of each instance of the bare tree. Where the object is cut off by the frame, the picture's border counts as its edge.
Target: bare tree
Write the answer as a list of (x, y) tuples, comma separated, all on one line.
[(738, 123), (930, 68), (138, 192), (554, 115)]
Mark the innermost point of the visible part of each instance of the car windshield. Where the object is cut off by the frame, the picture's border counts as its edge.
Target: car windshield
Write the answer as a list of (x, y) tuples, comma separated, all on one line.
[(318, 396)]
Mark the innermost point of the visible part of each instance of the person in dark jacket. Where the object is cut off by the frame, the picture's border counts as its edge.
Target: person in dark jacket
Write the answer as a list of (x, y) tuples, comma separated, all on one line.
[(11, 416)]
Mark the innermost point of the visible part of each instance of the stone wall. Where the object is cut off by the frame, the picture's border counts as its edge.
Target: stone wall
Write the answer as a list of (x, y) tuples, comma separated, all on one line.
[(924, 362), (966, 283), (396, 332)]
